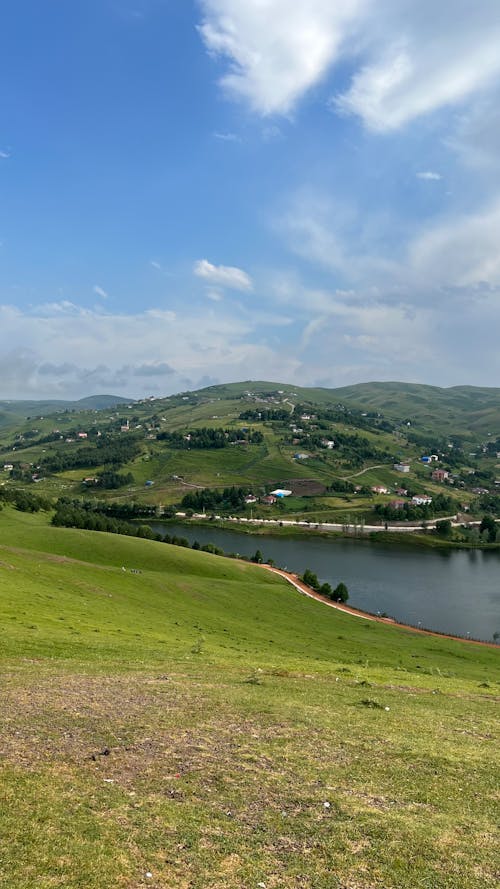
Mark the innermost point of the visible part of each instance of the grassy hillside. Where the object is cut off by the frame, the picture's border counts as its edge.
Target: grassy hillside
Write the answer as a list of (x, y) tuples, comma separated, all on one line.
[(177, 714), (459, 409)]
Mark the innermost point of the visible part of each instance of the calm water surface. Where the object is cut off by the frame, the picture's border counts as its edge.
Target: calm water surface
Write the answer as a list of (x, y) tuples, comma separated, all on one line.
[(454, 591)]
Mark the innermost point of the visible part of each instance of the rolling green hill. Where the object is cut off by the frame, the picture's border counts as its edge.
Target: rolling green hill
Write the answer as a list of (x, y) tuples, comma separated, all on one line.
[(458, 410), (172, 718)]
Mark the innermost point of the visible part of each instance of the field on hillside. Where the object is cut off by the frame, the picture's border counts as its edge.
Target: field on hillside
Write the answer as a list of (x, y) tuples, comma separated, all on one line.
[(173, 718)]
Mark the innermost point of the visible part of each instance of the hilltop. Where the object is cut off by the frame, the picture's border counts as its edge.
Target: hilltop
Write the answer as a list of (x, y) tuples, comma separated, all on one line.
[(191, 717)]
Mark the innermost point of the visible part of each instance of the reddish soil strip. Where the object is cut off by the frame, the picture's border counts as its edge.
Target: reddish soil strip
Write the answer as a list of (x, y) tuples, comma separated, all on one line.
[(299, 585)]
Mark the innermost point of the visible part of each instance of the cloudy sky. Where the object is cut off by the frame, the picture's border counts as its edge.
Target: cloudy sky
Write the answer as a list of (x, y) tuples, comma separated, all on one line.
[(199, 191)]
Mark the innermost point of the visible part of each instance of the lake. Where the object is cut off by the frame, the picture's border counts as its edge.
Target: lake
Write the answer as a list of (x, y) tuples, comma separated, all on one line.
[(452, 591)]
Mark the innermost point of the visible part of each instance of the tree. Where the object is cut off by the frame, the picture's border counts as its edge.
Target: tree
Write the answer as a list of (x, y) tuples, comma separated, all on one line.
[(341, 593), (326, 590), (444, 528), (257, 557), (311, 579), (489, 526)]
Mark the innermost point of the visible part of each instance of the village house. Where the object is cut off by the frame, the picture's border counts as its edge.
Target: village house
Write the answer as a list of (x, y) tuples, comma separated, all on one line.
[(269, 500), (421, 500), (82, 435), (440, 475), (250, 498), (397, 504), (8, 467), (402, 467), (380, 489)]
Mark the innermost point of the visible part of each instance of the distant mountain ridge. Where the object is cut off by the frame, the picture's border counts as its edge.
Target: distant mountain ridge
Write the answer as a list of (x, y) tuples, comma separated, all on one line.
[(476, 408), (457, 408), (11, 410)]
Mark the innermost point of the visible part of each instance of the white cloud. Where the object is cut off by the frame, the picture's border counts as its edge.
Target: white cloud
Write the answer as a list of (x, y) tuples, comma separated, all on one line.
[(409, 57), (429, 175), (461, 251), (4, 155), (73, 352), (476, 135), (227, 137), (156, 265), (222, 275), (277, 50), (422, 56), (100, 292), (337, 236), (369, 334)]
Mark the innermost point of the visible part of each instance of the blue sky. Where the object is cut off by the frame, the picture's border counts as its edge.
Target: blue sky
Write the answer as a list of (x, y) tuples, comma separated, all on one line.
[(199, 192)]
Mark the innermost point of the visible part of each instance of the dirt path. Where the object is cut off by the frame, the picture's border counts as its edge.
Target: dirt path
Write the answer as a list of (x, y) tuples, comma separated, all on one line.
[(299, 585), (345, 478)]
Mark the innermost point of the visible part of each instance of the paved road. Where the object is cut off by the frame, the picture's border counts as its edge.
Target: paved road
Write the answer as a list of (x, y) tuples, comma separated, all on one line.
[(329, 526)]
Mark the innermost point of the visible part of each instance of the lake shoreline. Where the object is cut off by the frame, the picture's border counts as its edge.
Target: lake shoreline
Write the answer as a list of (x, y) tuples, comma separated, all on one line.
[(426, 587), (299, 585), (417, 538)]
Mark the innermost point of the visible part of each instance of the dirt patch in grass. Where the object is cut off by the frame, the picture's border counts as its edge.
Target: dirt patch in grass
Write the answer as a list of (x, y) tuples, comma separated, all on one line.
[(306, 487)]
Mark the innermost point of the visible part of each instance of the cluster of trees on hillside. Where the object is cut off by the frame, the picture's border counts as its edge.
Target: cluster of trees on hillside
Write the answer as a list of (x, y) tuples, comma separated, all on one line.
[(29, 440), (110, 480), (211, 499), (74, 514), (339, 594), (121, 511), (265, 415), (413, 512), (355, 448), (342, 414), (21, 473), (342, 486), (109, 450), (207, 438), (487, 503), (25, 501), (69, 516)]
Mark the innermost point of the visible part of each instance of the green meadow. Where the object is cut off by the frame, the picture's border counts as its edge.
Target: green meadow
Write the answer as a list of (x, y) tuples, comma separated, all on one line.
[(176, 719)]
